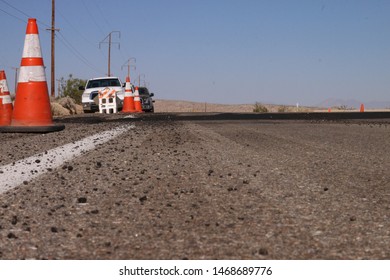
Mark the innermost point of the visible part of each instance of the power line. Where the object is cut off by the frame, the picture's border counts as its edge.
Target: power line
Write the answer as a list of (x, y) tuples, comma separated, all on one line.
[(93, 19), (13, 16), (103, 16), (102, 19), (79, 32), (23, 13), (76, 53), (74, 28), (20, 11)]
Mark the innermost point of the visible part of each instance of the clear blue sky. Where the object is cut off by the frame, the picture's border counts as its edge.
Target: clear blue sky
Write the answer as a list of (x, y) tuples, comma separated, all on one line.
[(226, 51)]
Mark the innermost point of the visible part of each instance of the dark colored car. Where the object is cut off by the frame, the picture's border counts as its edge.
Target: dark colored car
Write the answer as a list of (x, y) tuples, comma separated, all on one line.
[(146, 99)]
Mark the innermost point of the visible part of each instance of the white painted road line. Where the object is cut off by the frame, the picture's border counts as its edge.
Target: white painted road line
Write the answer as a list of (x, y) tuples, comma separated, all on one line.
[(130, 117), (14, 174)]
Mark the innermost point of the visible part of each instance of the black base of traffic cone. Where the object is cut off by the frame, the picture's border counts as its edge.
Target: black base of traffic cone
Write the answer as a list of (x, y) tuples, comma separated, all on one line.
[(32, 129)]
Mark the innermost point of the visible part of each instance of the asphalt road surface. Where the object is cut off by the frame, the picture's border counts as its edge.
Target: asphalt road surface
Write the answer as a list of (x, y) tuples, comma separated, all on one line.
[(192, 186)]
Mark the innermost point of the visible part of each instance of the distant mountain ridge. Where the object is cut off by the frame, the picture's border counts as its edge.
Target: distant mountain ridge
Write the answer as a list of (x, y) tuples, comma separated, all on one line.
[(353, 103)]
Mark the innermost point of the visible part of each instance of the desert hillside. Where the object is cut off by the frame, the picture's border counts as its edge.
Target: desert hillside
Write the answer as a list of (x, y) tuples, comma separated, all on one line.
[(188, 106)]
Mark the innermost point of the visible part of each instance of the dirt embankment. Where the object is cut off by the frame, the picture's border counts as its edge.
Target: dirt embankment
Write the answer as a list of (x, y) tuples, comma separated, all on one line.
[(188, 106), (65, 106)]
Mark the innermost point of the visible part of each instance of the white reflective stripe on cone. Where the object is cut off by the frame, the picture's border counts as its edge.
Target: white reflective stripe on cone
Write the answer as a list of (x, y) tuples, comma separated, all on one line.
[(3, 86), (32, 47), (6, 99), (32, 74), (128, 86), (128, 93)]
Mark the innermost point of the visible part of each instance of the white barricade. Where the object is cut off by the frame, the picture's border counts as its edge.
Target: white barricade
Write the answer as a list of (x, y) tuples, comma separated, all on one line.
[(107, 101)]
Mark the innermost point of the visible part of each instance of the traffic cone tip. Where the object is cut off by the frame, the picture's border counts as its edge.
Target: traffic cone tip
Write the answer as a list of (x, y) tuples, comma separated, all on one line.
[(32, 27)]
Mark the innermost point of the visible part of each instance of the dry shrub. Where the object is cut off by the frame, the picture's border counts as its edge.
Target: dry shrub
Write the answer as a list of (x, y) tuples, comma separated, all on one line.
[(260, 108)]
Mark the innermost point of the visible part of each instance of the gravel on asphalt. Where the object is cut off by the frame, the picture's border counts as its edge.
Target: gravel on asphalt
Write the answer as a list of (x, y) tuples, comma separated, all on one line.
[(253, 189)]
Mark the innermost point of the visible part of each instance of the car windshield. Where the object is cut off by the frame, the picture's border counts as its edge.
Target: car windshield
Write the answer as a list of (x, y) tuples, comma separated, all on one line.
[(103, 83), (143, 91)]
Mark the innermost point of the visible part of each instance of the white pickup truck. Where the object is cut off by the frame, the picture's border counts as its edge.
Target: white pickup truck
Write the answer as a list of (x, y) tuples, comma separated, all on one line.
[(90, 97)]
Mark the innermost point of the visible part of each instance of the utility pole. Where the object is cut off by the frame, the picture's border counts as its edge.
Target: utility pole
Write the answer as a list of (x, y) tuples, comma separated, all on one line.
[(127, 63), (16, 77), (139, 79), (59, 88), (53, 34), (109, 48)]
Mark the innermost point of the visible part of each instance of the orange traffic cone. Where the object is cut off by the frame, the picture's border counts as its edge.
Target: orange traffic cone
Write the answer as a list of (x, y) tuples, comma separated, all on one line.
[(362, 108), (5, 101), (137, 101), (32, 112), (128, 101), (329, 110)]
